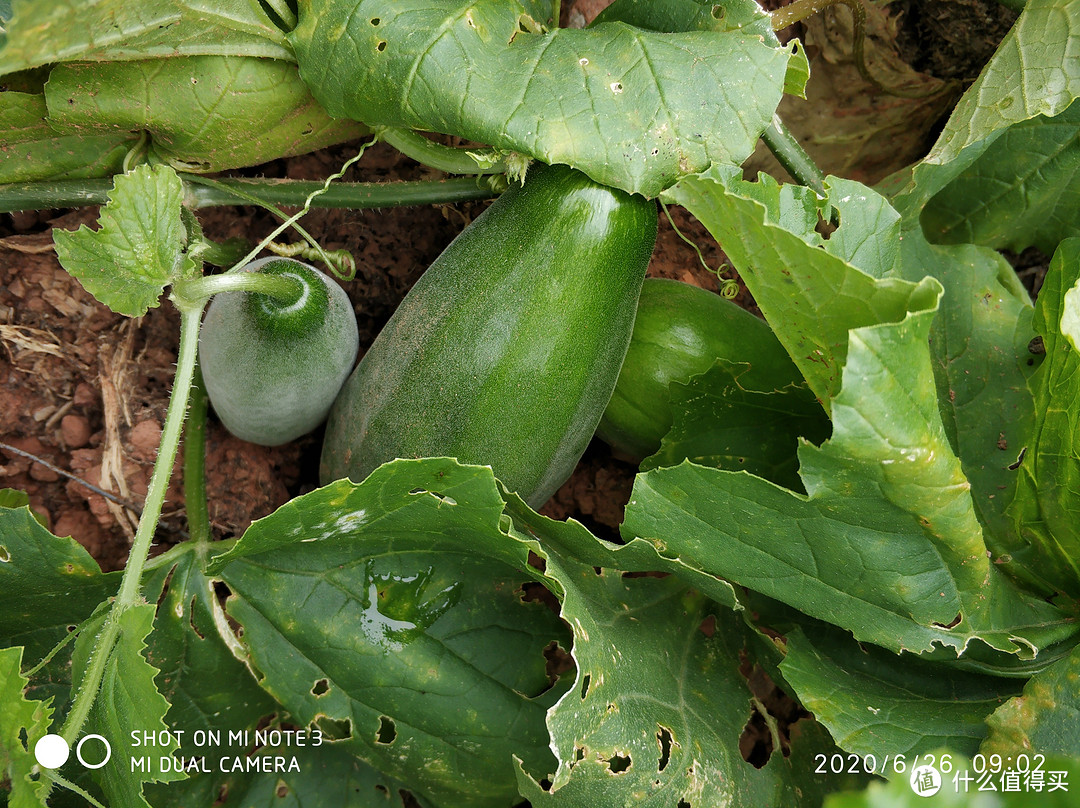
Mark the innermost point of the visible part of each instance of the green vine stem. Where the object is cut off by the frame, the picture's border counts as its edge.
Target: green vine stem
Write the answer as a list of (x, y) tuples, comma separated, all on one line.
[(282, 287), (232, 191), (195, 504), (791, 155), (435, 155), (129, 596)]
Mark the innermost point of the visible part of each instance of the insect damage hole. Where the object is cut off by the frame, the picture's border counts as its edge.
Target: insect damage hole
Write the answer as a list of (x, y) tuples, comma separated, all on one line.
[(586, 680), (5, 555), (619, 764), (381, 46), (387, 733), (663, 738), (616, 87), (320, 688)]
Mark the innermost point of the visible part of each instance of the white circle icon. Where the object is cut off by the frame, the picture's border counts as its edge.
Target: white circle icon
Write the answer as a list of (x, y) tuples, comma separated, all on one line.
[(51, 751), (103, 761), (925, 781)]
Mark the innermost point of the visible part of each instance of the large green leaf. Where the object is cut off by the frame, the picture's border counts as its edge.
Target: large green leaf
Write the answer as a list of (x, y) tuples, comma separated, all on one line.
[(1033, 72), (979, 345), (655, 715), (1046, 508), (204, 113), (41, 33), (671, 104), (886, 545), (392, 610), (48, 585), (1023, 190), (32, 150), (875, 702), (811, 296), (138, 250)]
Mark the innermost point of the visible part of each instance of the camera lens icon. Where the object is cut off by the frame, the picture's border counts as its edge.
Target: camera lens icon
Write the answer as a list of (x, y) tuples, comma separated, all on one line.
[(52, 751)]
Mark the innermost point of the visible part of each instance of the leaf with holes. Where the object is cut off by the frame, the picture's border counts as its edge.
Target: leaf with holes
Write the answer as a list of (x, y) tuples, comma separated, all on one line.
[(658, 707), (23, 722), (489, 71), (391, 614), (207, 688)]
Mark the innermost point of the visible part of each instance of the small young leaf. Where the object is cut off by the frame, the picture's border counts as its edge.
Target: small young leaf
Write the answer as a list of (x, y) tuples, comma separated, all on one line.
[(22, 723), (138, 250)]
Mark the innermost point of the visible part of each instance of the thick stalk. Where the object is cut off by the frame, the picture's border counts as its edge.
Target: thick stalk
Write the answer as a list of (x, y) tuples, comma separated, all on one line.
[(282, 287), (791, 155), (198, 514), (128, 595), (435, 155), (355, 195)]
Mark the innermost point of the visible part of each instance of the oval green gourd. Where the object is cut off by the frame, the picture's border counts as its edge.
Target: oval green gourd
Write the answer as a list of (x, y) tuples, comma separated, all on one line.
[(680, 331), (506, 350), (272, 369)]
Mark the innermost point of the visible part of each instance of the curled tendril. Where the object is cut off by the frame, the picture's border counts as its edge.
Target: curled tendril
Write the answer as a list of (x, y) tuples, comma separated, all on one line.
[(340, 262), (729, 287)]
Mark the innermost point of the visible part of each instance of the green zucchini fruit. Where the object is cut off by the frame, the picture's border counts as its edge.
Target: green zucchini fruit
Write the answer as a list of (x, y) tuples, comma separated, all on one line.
[(272, 369), (506, 350), (680, 331)]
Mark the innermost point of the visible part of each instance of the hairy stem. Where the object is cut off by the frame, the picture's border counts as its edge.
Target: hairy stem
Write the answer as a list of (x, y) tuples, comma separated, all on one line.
[(198, 513), (128, 595), (280, 287), (436, 155), (791, 155), (354, 195)]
